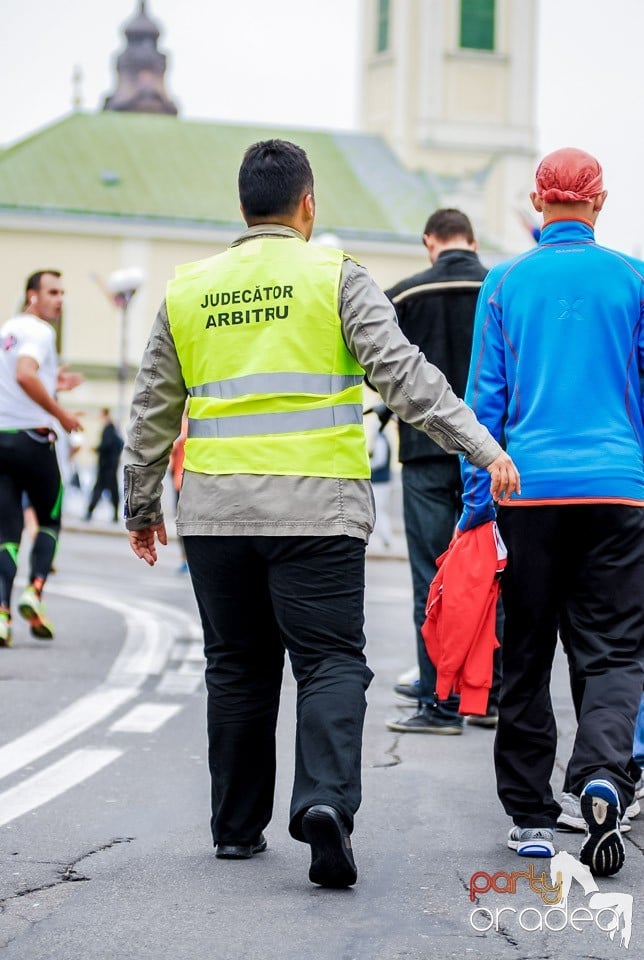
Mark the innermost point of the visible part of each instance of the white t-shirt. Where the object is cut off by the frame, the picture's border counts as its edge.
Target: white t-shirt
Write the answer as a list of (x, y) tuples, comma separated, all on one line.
[(26, 336)]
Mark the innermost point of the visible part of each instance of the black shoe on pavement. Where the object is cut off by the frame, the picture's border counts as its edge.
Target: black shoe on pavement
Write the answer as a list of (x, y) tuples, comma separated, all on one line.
[(240, 851), (426, 721), (490, 719), (332, 863), (407, 693)]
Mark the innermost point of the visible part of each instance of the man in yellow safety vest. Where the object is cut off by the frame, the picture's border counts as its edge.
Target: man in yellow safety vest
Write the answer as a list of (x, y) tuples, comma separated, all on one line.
[(269, 343)]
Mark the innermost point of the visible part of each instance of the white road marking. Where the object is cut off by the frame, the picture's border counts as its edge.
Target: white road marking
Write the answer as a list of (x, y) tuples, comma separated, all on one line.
[(71, 721), (146, 718), (53, 781), (147, 642), (149, 638), (173, 683), (189, 667), (192, 651), (187, 623)]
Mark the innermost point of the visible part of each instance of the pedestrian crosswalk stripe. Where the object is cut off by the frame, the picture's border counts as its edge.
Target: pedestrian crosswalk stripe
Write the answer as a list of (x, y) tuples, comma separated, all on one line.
[(145, 718), (53, 781), (173, 683), (71, 721)]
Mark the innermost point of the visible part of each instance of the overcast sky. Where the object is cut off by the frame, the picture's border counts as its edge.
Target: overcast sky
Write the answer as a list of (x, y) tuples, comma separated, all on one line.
[(294, 62)]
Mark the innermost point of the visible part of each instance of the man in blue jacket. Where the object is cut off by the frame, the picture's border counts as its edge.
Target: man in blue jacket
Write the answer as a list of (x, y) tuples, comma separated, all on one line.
[(557, 356)]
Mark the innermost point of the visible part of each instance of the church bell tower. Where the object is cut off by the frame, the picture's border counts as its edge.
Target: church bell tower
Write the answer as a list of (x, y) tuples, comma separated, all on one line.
[(141, 70)]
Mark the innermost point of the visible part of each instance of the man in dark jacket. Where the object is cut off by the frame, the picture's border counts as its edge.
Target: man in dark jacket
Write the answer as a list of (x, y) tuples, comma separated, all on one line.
[(435, 310), (109, 453)]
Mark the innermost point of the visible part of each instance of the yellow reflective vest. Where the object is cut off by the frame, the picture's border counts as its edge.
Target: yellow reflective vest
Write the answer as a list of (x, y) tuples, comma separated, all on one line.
[(272, 386)]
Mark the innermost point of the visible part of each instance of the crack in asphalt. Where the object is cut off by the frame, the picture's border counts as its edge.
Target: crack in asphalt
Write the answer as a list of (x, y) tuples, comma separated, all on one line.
[(466, 886), (395, 758), (638, 846), (506, 936), (67, 873)]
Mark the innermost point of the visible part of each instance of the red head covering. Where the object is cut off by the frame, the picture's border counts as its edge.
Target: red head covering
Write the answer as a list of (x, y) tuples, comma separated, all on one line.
[(568, 176)]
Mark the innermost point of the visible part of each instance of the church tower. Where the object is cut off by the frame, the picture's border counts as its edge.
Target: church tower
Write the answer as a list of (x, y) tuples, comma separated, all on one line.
[(450, 84), (141, 70)]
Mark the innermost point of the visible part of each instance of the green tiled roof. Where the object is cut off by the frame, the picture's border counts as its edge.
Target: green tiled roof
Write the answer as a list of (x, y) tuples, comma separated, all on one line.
[(163, 168)]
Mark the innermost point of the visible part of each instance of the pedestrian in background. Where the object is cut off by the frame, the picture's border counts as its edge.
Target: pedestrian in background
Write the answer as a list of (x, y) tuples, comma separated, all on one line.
[(270, 341), (435, 310), (380, 463), (108, 456), (556, 363), (30, 415)]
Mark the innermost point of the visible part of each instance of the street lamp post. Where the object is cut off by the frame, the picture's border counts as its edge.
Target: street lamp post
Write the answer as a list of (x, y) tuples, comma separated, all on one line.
[(122, 285)]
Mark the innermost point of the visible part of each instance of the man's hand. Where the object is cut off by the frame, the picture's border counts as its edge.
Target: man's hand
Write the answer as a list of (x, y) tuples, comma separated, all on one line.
[(28, 379), (69, 421), (505, 477), (143, 545), (67, 380)]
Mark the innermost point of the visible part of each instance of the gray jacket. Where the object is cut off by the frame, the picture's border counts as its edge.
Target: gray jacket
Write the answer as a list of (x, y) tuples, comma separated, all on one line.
[(270, 505)]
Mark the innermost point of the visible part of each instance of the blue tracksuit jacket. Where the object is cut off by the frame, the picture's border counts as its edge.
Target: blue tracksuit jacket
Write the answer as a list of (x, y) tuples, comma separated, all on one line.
[(557, 361)]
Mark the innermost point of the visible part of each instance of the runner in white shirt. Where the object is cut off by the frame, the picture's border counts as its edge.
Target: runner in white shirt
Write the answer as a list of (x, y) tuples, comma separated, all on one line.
[(29, 418)]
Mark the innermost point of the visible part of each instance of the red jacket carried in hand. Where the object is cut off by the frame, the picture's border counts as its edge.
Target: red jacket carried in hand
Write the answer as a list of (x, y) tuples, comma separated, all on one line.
[(460, 628)]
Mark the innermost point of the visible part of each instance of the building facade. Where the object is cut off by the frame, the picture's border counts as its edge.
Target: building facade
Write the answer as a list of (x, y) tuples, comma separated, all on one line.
[(450, 85)]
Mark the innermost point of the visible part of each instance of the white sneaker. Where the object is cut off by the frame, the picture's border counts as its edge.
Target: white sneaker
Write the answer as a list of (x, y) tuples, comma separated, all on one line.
[(532, 841), (409, 676), (570, 819), (633, 810)]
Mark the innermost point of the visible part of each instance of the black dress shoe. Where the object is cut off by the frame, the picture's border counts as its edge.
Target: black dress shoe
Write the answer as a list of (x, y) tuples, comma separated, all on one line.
[(241, 851), (332, 863), (489, 719)]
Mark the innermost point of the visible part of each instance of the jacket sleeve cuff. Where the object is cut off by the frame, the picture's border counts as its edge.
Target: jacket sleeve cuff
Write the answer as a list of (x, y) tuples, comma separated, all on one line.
[(474, 700), (474, 518), (484, 454), (149, 517)]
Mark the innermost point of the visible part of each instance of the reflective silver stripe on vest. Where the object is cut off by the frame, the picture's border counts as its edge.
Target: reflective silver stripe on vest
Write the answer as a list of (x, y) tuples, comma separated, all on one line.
[(267, 423), (263, 383)]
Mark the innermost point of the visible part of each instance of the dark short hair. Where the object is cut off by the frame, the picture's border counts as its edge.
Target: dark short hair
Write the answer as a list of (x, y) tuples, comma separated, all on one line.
[(448, 223), (33, 282), (273, 178)]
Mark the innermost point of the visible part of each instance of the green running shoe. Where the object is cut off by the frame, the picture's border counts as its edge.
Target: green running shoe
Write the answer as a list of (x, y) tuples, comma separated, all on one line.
[(32, 609), (5, 629)]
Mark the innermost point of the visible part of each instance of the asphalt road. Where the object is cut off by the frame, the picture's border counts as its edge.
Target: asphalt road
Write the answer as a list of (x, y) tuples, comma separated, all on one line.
[(105, 848)]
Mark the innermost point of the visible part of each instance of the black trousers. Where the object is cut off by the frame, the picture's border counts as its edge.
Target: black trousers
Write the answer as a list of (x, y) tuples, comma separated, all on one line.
[(578, 568), (258, 596), (105, 480), (28, 465)]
